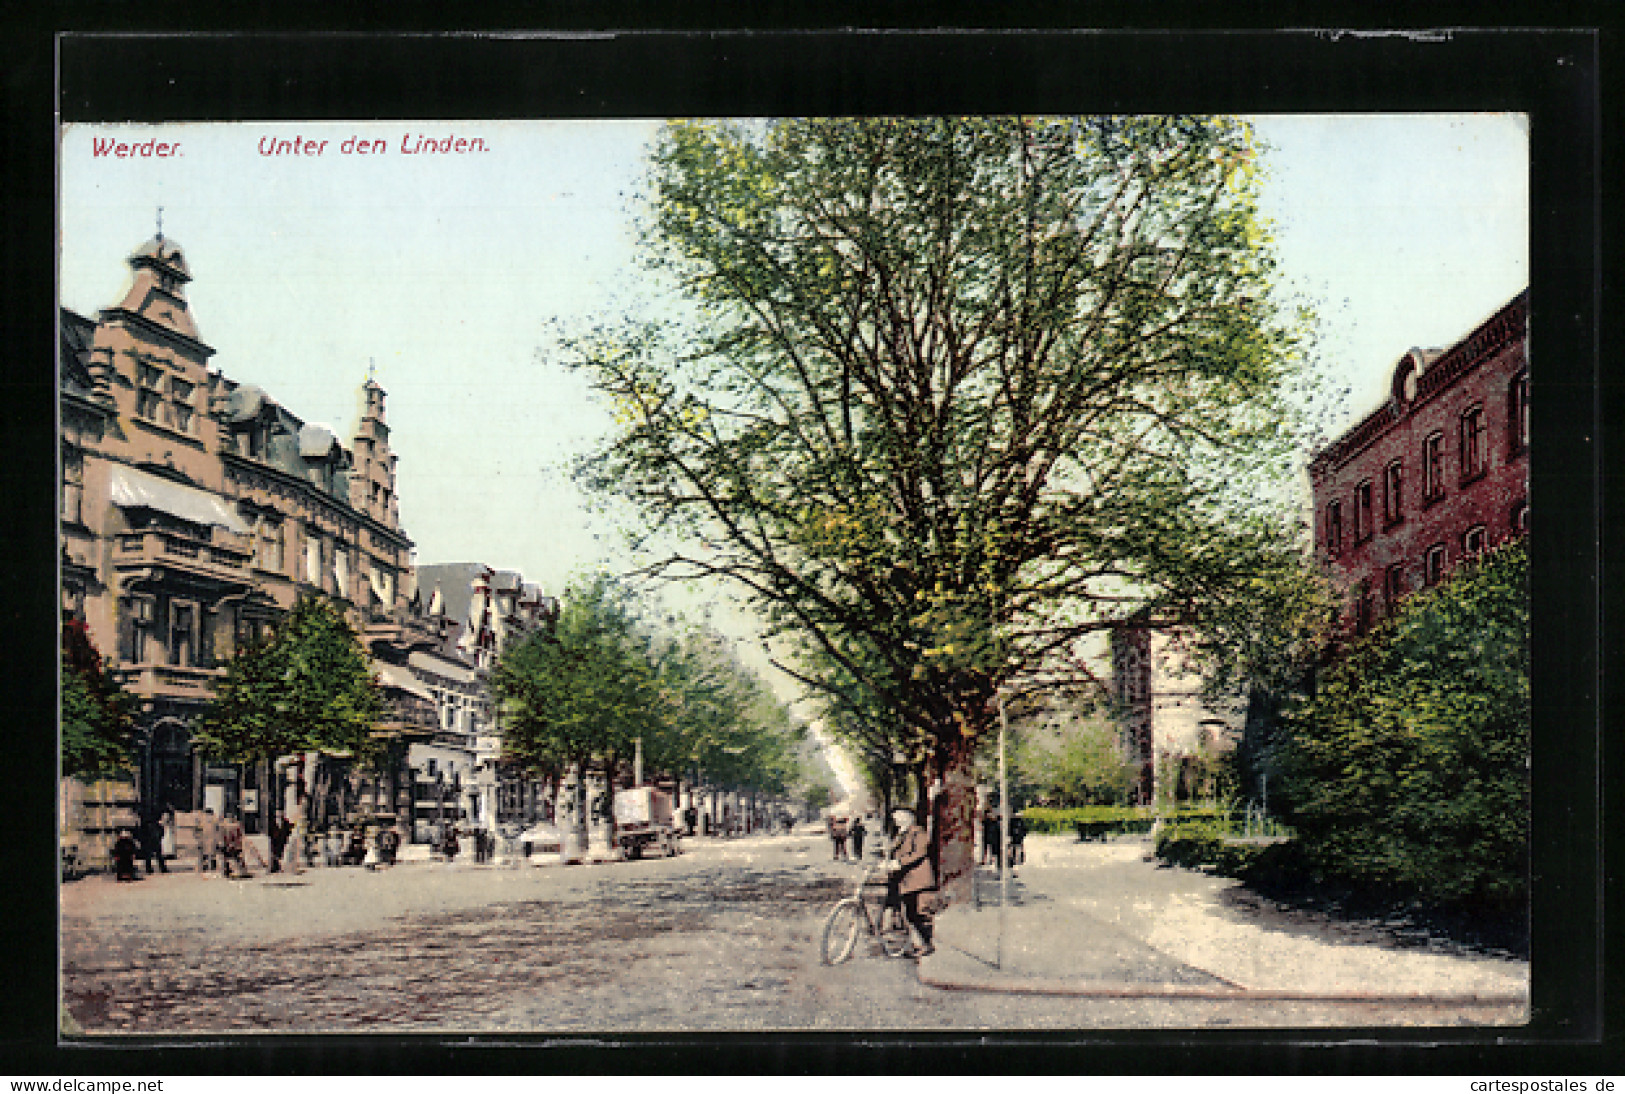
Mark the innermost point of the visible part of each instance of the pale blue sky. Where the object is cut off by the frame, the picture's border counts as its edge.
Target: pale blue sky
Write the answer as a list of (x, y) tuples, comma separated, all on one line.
[(1402, 230)]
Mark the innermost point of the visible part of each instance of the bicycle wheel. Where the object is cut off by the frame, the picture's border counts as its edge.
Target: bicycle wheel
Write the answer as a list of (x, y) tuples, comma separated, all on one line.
[(841, 932)]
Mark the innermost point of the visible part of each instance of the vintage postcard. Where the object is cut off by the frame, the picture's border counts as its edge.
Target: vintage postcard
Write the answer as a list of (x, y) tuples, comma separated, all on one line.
[(767, 574)]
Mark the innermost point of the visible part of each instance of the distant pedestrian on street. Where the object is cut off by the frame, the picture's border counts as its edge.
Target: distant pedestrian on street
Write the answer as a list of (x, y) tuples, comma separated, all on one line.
[(451, 847), (837, 835), (124, 851), (166, 827), (231, 847), (857, 834), (990, 838), (208, 833), (152, 843), (1018, 837), (279, 832), (389, 843), (911, 863)]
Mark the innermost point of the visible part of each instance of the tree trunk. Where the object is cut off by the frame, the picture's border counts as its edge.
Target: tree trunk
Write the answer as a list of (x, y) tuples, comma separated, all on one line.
[(953, 817), (571, 818)]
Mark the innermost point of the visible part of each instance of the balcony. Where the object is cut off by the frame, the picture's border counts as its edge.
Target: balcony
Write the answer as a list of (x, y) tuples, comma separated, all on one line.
[(153, 681), (197, 558)]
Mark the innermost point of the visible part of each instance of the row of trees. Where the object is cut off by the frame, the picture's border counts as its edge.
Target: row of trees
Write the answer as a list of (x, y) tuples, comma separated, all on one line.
[(950, 396), (602, 684)]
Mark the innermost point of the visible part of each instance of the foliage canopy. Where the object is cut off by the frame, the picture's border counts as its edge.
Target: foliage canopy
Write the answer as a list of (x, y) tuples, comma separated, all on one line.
[(308, 687), (1408, 767), (600, 682), (958, 391), (96, 710)]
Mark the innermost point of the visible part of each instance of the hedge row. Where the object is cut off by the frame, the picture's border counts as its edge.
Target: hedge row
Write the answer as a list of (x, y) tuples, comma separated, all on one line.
[(1093, 822), (1206, 845)]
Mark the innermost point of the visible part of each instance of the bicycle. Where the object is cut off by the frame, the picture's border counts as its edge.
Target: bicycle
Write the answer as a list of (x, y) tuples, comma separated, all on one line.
[(852, 914)]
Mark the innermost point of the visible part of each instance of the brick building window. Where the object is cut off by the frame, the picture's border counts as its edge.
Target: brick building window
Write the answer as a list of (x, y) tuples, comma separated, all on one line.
[(1520, 518), (1393, 584), (1473, 540), (1518, 412), (1472, 443), (1434, 570), (1433, 467), (1363, 524), (1362, 608), (1334, 529), (1393, 483)]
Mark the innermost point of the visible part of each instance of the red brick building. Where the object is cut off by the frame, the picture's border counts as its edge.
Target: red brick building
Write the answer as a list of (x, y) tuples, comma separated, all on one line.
[(1438, 473)]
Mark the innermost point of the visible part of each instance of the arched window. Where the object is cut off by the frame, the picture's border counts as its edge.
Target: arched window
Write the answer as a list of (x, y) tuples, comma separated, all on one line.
[(1473, 456), (1393, 581), (1518, 412), (1520, 518), (1334, 528), (1363, 523), (1393, 484), (1473, 541), (1434, 570), (1433, 467)]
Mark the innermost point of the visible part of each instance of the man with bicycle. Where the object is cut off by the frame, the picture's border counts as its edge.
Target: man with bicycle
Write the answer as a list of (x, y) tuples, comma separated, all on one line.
[(911, 874)]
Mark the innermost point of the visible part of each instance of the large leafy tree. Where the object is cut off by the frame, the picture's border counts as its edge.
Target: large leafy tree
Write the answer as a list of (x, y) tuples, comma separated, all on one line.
[(309, 687), (96, 710), (954, 394), (584, 690)]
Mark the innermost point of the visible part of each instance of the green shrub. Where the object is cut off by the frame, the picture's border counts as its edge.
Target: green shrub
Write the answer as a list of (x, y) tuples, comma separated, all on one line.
[(1100, 821), (1407, 769)]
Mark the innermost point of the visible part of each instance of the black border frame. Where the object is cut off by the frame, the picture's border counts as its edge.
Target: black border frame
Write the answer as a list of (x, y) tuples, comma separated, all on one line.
[(149, 66)]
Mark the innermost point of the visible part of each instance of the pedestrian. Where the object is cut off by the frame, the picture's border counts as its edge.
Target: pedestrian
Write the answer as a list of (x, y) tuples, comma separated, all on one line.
[(152, 843), (1018, 837), (389, 842), (230, 845), (166, 843), (279, 832), (837, 835), (990, 837), (356, 853), (124, 851), (911, 863), (208, 832), (857, 835), (451, 847)]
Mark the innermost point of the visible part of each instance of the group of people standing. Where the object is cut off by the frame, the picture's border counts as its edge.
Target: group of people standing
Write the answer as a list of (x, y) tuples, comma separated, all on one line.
[(991, 839), (840, 831)]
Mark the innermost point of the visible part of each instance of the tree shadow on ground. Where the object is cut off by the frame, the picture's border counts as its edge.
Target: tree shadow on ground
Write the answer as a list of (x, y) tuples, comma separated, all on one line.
[(1384, 919)]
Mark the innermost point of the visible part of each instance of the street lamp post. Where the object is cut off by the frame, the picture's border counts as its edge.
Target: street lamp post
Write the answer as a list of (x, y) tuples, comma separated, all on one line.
[(1004, 828)]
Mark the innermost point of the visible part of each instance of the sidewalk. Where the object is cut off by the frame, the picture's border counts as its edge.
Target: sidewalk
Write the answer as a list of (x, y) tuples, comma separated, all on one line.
[(1097, 919)]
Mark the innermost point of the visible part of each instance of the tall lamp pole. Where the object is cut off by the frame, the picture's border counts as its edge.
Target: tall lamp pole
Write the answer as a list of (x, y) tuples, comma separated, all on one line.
[(1004, 828)]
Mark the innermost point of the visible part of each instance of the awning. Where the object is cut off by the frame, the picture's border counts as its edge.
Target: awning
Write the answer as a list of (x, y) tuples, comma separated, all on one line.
[(440, 666), (393, 676), (134, 489)]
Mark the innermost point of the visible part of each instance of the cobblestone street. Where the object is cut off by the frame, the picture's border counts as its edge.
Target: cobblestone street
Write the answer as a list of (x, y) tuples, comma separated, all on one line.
[(720, 938)]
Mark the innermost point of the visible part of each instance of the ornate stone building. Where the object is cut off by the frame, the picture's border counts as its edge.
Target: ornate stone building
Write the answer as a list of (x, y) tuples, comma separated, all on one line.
[(195, 511), (478, 612)]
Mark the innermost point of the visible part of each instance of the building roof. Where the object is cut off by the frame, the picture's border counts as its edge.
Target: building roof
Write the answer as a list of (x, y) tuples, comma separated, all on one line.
[(455, 580)]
